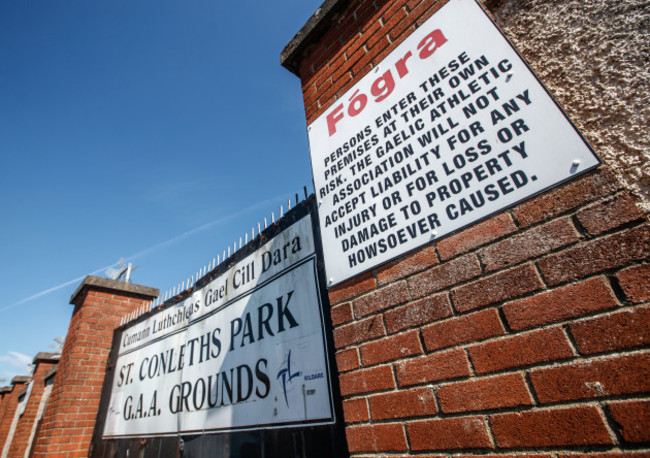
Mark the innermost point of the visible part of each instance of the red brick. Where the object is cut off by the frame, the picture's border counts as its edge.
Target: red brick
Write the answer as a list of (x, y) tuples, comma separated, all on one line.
[(393, 17), (338, 87), (435, 367), (484, 394), (312, 110), (463, 329), (632, 420), (391, 348), (403, 404), (341, 314), (352, 288), (635, 282), (444, 275), (359, 331), (401, 31), (608, 215), (559, 304), (520, 350), (605, 455), (381, 299), (417, 313), (571, 195), (530, 244), (476, 236), (617, 250), (355, 410), (583, 425), (505, 455), (448, 434), (626, 329), (367, 380), (376, 438), (372, 33), (347, 360), (424, 10), (408, 264), (597, 378), (497, 288)]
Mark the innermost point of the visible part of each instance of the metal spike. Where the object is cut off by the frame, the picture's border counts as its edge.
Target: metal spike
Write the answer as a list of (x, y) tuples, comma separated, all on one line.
[(224, 255), (272, 217), (240, 243), (281, 211), (192, 280), (305, 189), (265, 222), (218, 260), (297, 199), (234, 246), (228, 251), (252, 232), (289, 204), (259, 229), (183, 286)]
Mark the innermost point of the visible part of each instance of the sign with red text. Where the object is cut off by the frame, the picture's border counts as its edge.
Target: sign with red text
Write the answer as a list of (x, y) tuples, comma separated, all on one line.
[(246, 351), (449, 128)]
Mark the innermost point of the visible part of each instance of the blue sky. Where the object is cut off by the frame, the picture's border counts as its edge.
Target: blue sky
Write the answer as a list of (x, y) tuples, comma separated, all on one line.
[(157, 131)]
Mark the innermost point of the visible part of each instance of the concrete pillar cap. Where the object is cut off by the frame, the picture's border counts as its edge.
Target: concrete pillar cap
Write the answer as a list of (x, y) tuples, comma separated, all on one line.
[(119, 287)]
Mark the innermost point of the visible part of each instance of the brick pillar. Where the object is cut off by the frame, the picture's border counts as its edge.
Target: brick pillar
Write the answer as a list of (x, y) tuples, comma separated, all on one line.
[(526, 332), (9, 404), (69, 419), (27, 423), (5, 393)]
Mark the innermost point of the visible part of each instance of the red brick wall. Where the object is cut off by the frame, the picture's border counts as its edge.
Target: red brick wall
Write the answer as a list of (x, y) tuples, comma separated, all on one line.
[(71, 412), (20, 441), (9, 404), (4, 396), (527, 332)]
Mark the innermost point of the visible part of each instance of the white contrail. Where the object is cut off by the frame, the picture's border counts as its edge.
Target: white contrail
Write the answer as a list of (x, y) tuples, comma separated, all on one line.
[(147, 251), (51, 290)]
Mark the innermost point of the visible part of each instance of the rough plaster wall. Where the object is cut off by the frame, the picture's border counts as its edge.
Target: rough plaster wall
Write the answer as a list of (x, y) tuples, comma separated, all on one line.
[(594, 56)]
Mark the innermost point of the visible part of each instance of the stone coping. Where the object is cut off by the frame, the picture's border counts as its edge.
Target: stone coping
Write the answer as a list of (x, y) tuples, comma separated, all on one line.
[(310, 33), (120, 287)]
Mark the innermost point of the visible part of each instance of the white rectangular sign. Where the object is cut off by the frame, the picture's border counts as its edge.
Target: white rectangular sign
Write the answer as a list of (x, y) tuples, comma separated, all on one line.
[(247, 351), (449, 128)]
